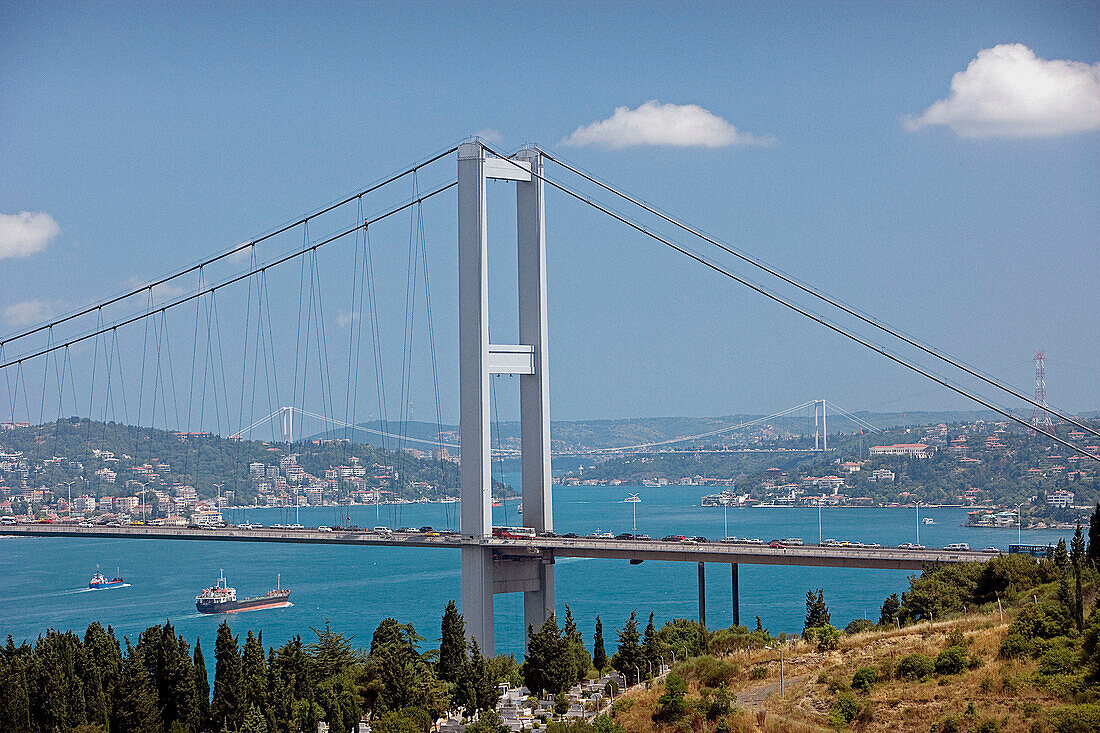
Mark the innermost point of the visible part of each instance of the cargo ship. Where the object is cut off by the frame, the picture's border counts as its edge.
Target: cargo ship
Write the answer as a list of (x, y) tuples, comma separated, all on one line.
[(99, 581), (223, 599)]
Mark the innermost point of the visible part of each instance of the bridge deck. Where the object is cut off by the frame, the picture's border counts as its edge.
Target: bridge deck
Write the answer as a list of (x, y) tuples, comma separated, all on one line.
[(810, 555)]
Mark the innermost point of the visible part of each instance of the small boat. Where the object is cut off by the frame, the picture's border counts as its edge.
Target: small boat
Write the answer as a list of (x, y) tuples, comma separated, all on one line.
[(928, 520), (99, 581)]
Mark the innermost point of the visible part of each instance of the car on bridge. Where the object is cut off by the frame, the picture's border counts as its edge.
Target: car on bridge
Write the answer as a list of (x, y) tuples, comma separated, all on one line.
[(673, 538), (323, 528), (698, 538), (778, 544), (570, 535), (407, 530)]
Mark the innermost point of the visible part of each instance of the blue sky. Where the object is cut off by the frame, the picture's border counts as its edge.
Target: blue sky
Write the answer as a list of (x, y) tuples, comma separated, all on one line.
[(152, 135)]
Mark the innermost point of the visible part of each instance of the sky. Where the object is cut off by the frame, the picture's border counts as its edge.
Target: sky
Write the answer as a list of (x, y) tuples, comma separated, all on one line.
[(932, 164)]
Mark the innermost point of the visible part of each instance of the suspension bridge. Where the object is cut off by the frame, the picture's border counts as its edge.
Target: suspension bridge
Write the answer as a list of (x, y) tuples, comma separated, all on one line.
[(249, 300)]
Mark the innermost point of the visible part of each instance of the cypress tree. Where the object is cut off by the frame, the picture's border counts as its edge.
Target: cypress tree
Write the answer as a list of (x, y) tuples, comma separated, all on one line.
[(1061, 556), (546, 667), (135, 709), (1092, 552), (202, 688), (817, 613), (599, 653), (15, 704), (226, 707), (649, 642), (1077, 559), (253, 674), (452, 644)]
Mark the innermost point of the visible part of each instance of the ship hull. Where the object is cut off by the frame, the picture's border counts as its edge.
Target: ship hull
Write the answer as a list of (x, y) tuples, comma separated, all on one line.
[(248, 604), (103, 586)]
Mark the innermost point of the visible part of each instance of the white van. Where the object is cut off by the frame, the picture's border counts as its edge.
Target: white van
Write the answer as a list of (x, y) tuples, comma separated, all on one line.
[(958, 547), (382, 530)]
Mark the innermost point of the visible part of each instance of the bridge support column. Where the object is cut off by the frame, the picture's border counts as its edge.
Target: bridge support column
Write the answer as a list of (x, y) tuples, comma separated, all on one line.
[(736, 599), (702, 594), (478, 359)]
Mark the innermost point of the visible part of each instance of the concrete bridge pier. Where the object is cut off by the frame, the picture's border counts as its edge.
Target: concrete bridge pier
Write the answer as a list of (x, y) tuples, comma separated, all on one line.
[(736, 599), (702, 594), (483, 572)]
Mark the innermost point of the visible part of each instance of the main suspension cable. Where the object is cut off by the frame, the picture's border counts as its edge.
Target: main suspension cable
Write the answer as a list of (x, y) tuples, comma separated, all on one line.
[(819, 295), (798, 309)]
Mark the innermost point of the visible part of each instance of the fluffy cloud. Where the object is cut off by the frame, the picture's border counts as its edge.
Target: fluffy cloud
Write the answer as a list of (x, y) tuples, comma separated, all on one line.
[(346, 318), (1008, 91), (653, 123), (489, 135), (26, 312), (26, 233)]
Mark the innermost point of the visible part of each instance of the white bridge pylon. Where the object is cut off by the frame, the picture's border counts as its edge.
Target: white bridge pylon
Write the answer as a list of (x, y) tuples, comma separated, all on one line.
[(482, 574)]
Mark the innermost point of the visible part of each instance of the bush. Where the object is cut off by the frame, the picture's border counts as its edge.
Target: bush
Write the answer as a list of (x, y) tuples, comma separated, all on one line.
[(864, 679), (843, 711), (1014, 645), (1075, 718), (708, 671), (760, 671), (915, 667), (827, 637), (1041, 621), (1057, 656), (952, 660), (671, 705), (858, 626)]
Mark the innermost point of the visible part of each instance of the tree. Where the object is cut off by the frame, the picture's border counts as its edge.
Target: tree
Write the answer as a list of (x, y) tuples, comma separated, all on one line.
[(1093, 550), (477, 689), (890, 611), (579, 658), (599, 654), (226, 708), (1077, 559), (452, 644), (547, 667), (15, 705), (817, 613), (135, 708), (628, 658), (332, 652), (1061, 556), (253, 674), (649, 642), (671, 706), (202, 688)]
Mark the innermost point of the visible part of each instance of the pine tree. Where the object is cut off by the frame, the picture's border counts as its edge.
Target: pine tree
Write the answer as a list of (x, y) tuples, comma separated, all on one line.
[(891, 607), (226, 708), (202, 689), (477, 689), (1061, 556), (1077, 559), (579, 658), (817, 613), (628, 658), (1093, 550), (253, 722), (599, 653), (546, 667), (452, 644)]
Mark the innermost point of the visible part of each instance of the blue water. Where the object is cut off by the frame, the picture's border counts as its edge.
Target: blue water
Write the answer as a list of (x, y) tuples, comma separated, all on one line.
[(45, 579)]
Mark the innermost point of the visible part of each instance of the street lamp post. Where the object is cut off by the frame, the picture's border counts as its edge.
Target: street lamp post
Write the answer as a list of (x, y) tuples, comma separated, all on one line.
[(781, 676), (142, 492), (725, 521), (633, 500), (819, 522), (69, 486), (1019, 524)]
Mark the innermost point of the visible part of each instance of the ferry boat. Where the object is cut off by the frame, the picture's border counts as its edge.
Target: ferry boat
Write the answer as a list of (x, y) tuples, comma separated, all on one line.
[(223, 599), (99, 581)]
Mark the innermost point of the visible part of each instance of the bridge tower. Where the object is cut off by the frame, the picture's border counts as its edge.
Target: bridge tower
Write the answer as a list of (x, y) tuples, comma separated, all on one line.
[(483, 573)]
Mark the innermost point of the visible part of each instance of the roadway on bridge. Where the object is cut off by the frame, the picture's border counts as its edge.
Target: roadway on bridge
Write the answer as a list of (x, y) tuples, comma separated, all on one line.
[(808, 555)]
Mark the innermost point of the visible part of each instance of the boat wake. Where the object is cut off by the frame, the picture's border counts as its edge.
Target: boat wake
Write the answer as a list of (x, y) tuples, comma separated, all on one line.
[(74, 591)]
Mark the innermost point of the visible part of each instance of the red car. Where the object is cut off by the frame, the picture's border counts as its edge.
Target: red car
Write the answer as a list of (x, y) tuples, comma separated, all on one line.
[(776, 543)]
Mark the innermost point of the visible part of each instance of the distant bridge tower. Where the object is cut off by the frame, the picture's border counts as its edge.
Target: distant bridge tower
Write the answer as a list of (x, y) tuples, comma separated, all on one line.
[(821, 428), (484, 573), (1040, 418)]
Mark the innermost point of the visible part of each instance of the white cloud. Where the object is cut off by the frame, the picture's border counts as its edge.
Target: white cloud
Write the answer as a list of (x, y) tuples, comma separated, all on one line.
[(491, 136), (26, 233), (346, 318), (26, 312), (1008, 91), (653, 123)]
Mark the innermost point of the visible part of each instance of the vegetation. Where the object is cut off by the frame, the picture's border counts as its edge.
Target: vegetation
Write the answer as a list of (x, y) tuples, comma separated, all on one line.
[(202, 460)]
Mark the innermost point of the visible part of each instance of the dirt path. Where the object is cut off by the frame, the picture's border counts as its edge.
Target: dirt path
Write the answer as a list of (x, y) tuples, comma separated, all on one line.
[(755, 697)]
